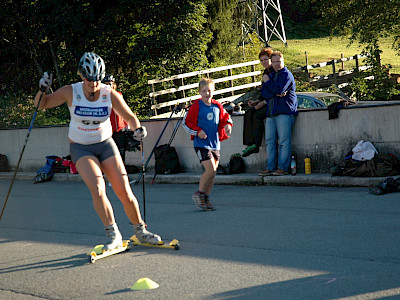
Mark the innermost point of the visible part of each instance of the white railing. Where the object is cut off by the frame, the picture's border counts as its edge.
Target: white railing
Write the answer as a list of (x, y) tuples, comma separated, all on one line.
[(225, 94)]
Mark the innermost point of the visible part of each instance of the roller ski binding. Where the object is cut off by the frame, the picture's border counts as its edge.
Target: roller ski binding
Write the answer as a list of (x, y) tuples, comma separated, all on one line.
[(143, 237)]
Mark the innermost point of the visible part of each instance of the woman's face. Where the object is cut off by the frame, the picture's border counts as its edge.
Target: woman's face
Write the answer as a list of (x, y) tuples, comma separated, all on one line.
[(277, 62), (90, 86), (265, 61)]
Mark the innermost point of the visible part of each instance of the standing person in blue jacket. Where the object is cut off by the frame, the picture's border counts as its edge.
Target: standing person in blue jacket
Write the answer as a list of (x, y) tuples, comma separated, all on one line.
[(279, 90)]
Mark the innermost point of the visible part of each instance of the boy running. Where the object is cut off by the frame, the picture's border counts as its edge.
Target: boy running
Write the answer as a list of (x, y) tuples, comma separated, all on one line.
[(209, 124)]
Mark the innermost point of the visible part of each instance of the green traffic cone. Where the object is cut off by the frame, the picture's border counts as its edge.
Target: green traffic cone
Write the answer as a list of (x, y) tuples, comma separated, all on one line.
[(144, 284)]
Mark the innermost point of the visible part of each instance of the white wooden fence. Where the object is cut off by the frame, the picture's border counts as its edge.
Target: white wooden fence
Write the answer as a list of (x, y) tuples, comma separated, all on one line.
[(235, 90), (338, 77), (186, 85)]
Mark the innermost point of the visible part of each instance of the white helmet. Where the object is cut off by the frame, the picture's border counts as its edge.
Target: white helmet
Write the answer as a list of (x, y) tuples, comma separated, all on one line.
[(92, 66)]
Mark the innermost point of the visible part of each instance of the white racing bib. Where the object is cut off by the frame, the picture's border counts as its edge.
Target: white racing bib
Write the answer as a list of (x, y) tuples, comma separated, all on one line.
[(90, 120)]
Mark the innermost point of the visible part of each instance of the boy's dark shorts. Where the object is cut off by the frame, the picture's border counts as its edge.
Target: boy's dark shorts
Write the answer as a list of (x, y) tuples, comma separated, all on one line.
[(206, 154)]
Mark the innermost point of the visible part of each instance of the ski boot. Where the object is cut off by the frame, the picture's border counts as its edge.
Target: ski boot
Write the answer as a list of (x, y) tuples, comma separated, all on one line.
[(145, 236), (115, 236)]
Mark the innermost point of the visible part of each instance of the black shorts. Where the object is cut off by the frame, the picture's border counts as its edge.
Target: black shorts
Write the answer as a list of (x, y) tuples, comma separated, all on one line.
[(102, 150), (206, 154)]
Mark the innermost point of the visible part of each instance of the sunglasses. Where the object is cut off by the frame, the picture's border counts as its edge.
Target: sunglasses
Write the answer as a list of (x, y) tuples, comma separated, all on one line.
[(87, 80)]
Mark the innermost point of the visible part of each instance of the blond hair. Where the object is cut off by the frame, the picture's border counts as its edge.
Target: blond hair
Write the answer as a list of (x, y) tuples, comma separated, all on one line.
[(277, 53), (206, 82)]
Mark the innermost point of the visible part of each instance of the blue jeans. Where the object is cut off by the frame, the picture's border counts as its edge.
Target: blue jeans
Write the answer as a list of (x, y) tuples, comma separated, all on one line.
[(279, 128)]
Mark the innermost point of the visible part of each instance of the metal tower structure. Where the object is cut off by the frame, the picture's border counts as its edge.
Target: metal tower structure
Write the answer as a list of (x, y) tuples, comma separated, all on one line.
[(267, 20)]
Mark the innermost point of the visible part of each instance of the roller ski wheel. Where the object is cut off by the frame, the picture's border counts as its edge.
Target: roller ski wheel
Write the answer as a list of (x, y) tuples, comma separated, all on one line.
[(174, 244), (98, 252)]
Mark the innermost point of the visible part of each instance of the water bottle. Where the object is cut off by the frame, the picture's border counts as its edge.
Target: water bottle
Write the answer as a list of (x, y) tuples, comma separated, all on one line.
[(293, 166), (307, 164)]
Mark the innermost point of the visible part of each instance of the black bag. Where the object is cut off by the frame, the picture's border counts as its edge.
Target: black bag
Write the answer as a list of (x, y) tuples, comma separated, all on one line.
[(131, 169), (4, 166), (381, 165), (167, 161), (236, 164), (387, 164)]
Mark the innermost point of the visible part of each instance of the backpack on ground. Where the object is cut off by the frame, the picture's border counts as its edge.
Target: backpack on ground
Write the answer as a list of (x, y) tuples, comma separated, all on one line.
[(46, 173), (167, 160), (236, 164), (4, 165)]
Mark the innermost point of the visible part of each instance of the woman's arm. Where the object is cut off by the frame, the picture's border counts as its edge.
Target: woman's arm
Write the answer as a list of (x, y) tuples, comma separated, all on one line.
[(59, 97)]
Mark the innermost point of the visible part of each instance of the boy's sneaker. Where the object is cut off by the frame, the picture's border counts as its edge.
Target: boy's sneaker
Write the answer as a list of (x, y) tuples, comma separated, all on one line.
[(209, 205), (145, 236), (112, 232), (279, 172), (199, 200)]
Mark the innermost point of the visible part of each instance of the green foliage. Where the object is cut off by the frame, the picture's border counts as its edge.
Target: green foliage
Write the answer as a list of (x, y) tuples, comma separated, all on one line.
[(17, 111), (375, 83), (364, 21), (139, 40), (226, 29)]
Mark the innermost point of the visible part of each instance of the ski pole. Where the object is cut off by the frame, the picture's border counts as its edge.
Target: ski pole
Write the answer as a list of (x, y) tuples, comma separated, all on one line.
[(22, 152), (156, 144), (172, 138), (143, 184)]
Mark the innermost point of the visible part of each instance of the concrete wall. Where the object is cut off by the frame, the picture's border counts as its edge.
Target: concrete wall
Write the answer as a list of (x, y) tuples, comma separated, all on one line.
[(324, 141)]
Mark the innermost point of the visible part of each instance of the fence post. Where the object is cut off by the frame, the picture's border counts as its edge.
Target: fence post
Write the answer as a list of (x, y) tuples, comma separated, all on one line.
[(342, 56), (183, 91), (231, 81), (253, 69), (334, 71), (378, 57), (357, 63), (307, 73), (153, 99)]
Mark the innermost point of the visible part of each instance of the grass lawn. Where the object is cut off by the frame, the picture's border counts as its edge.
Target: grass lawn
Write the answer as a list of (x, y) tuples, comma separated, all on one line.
[(325, 49)]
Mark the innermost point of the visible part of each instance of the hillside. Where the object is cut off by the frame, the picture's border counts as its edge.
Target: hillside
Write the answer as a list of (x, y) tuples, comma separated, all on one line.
[(326, 49)]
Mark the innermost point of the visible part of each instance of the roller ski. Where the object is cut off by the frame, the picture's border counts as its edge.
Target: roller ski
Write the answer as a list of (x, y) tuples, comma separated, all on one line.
[(143, 237), (99, 252), (114, 246), (174, 244)]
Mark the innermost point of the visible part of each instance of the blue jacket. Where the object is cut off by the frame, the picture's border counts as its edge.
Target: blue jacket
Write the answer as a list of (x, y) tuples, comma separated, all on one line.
[(284, 82)]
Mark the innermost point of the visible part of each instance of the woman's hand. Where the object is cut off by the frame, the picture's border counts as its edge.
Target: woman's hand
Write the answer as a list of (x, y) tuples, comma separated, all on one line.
[(281, 95), (252, 103), (265, 78), (259, 105), (45, 82)]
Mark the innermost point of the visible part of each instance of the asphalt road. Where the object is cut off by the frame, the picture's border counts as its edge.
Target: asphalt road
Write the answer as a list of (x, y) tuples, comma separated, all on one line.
[(262, 242)]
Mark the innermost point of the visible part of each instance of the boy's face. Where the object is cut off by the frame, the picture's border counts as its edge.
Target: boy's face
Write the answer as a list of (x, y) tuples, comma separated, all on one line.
[(265, 61), (277, 62), (206, 92)]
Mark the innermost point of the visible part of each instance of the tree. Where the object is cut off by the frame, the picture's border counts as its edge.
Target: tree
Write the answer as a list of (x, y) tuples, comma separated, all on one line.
[(139, 40), (365, 21)]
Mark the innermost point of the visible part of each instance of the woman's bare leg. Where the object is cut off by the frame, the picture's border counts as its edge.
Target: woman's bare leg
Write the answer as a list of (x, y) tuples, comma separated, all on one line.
[(90, 171), (114, 169)]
